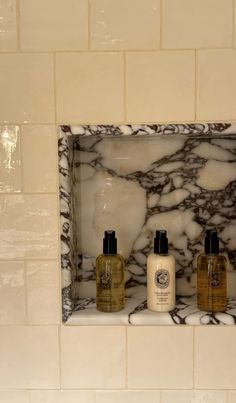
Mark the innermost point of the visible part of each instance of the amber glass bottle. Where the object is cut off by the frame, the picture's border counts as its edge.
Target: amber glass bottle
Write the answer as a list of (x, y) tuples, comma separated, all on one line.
[(110, 276), (211, 276)]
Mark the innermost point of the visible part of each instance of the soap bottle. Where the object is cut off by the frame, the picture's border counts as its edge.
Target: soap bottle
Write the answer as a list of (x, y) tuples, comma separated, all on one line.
[(211, 276), (160, 276), (110, 276)]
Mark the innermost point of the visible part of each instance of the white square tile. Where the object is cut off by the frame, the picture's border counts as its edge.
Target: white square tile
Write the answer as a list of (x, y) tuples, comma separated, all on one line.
[(28, 226), (189, 24), (43, 292), (160, 357), (39, 154), (12, 293), (54, 24), (8, 31), (26, 85), (160, 86), (125, 24), (10, 159), (128, 396), (93, 89), (93, 357), (215, 352), (216, 85), (29, 357), (62, 396)]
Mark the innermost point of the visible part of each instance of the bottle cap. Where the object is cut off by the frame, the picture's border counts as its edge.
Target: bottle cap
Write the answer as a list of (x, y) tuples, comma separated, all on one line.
[(211, 241), (161, 242), (109, 243)]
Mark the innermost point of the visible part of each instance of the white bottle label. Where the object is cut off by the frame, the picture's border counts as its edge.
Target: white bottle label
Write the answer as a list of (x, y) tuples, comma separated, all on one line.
[(162, 278), (160, 283)]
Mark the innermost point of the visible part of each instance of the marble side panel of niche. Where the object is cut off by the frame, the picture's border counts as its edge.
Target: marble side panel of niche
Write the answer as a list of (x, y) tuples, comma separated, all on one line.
[(146, 180)]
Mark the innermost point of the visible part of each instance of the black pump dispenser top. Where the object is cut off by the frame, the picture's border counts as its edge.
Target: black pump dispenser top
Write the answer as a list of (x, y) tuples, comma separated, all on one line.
[(211, 241), (109, 243), (161, 243)]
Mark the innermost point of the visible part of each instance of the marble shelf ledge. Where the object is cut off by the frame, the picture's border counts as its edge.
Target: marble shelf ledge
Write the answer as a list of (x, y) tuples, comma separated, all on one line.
[(136, 313)]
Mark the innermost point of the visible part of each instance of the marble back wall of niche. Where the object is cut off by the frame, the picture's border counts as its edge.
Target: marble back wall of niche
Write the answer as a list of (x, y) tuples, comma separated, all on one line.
[(145, 179)]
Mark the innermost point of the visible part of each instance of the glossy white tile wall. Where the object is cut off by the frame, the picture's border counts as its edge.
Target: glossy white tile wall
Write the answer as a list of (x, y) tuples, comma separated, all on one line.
[(154, 354), (99, 61)]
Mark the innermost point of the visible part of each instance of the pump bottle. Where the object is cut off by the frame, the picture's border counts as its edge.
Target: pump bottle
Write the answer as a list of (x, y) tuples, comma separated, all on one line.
[(211, 276), (110, 276), (160, 276)]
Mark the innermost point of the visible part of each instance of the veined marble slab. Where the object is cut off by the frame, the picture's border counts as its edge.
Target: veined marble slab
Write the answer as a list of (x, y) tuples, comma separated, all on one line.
[(136, 179), (136, 313)]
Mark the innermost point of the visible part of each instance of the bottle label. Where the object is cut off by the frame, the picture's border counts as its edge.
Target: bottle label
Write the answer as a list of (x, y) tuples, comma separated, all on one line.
[(162, 278), (214, 280), (104, 280)]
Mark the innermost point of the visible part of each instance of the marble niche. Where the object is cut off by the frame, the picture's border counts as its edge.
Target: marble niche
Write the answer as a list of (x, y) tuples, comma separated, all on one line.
[(136, 179)]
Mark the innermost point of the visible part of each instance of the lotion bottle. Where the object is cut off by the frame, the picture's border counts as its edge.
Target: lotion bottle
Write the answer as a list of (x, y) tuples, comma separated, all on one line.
[(110, 276), (211, 276), (160, 276)]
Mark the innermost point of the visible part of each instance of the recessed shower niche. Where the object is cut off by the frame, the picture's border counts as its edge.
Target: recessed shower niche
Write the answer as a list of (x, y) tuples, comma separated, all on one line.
[(136, 179)]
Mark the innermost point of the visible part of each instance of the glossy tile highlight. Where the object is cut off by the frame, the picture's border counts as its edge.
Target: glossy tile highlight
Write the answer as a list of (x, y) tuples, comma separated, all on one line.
[(210, 396), (42, 292), (160, 86), (26, 82), (8, 31), (39, 158), (54, 25), (12, 293), (10, 159), (29, 357), (125, 24), (194, 396), (216, 84), (215, 351), (103, 363), (28, 226), (93, 89), (189, 24), (154, 354)]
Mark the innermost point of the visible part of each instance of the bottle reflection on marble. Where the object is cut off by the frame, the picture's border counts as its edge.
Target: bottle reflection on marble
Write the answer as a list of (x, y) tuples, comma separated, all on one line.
[(110, 276), (211, 276)]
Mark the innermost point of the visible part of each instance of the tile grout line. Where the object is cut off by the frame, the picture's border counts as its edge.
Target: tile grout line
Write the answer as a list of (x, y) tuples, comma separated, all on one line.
[(161, 20), (161, 395), (126, 357), (22, 184), (55, 87), (27, 322), (114, 123), (18, 41), (94, 51), (89, 15), (59, 354), (194, 359), (233, 25), (195, 83), (125, 86)]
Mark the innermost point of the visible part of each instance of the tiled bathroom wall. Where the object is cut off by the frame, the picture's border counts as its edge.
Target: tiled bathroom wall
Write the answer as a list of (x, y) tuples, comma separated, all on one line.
[(99, 62)]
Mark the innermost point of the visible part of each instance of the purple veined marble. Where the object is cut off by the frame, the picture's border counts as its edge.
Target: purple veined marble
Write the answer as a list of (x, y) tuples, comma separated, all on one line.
[(180, 177)]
